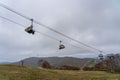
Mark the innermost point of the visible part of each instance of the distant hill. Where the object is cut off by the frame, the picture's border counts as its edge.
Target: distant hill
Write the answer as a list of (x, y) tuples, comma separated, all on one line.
[(5, 62), (57, 62)]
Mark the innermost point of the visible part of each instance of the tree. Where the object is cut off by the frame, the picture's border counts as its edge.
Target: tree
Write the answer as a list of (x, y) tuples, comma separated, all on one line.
[(45, 64)]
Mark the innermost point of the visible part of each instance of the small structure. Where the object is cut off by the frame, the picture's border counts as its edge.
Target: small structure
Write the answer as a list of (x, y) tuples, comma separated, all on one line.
[(30, 28)]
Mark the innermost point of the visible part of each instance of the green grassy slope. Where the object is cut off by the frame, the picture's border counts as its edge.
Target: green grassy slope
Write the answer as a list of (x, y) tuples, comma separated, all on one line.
[(9, 72)]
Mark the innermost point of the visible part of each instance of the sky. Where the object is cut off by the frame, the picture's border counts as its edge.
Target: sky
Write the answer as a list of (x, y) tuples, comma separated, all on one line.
[(93, 22)]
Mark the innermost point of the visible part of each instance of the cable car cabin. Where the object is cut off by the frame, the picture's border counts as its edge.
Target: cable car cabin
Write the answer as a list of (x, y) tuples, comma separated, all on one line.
[(100, 56), (30, 30), (61, 46)]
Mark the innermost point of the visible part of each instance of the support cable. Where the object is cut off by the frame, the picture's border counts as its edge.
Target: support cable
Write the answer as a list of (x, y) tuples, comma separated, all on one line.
[(20, 14)]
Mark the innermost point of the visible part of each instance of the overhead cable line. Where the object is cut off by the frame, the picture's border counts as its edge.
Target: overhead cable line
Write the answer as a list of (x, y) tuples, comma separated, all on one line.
[(6, 7), (47, 35), (25, 26), (35, 30), (20, 14), (12, 21)]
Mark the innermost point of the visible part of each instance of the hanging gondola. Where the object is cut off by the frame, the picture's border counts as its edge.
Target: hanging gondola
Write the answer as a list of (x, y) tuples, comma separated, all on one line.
[(61, 46), (100, 56), (30, 28)]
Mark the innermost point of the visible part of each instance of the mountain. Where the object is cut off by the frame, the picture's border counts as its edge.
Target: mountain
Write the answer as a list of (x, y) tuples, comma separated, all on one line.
[(5, 62), (56, 62)]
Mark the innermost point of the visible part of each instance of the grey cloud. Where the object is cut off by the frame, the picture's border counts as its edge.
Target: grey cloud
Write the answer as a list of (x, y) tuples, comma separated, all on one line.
[(94, 22)]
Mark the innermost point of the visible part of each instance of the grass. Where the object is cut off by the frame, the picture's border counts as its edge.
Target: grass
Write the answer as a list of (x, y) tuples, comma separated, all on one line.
[(10, 72)]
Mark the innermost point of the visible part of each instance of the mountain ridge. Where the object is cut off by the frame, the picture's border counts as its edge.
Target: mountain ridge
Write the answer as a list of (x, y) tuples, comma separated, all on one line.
[(55, 62)]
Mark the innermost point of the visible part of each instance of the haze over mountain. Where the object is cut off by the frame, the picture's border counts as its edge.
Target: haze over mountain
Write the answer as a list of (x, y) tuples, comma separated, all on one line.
[(56, 61)]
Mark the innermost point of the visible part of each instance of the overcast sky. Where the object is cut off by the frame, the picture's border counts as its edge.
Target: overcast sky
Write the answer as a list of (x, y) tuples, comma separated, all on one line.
[(93, 22)]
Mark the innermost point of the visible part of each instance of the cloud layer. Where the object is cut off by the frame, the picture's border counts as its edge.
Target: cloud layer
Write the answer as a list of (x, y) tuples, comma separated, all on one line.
[(94, 22)]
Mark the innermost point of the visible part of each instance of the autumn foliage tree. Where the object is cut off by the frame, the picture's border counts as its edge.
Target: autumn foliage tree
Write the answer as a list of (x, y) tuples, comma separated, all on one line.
[(45, 64)]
